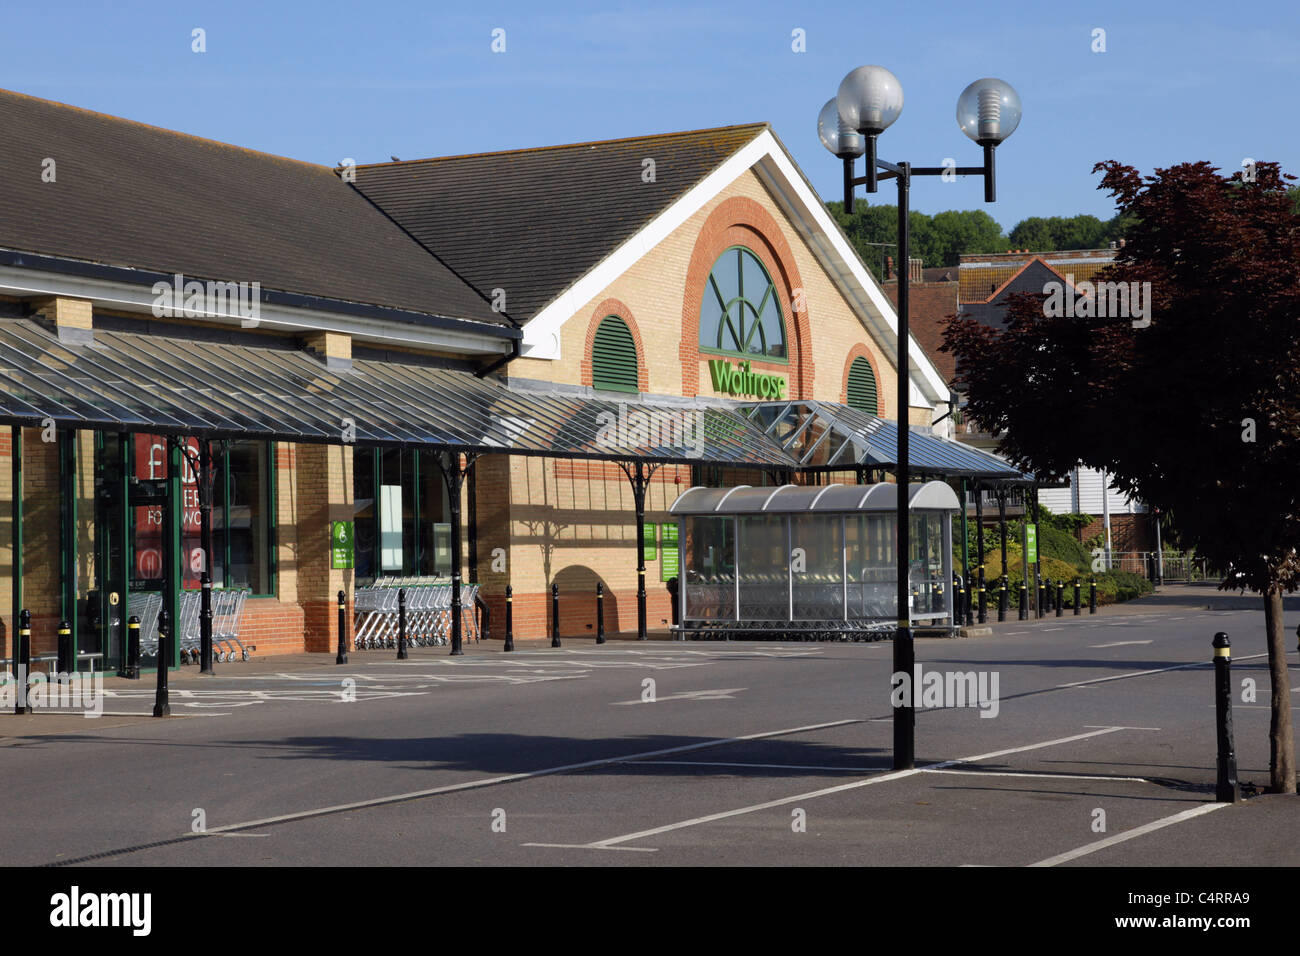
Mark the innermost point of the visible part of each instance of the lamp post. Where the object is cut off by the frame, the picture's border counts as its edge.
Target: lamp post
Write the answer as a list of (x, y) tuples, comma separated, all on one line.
[(869, 100)]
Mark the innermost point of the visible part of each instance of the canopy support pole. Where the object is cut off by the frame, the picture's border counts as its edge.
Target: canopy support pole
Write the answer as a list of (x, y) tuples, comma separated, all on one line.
[(1002, 529), (639, 477), (453, 474)]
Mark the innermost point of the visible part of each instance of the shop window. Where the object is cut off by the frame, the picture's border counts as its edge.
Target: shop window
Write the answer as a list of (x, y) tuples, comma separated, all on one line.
[(613, 357), (862, 387), (400, 514), (740, 313), (242, 515)]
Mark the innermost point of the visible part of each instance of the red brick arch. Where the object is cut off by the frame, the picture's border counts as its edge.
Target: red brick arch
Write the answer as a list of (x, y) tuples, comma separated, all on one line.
[(740, 221), (606, 308), (861, 351)]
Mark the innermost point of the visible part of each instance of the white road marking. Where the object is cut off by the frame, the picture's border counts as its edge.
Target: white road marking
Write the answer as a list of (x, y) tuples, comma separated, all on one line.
[(1045, 776), (1158, 670), (756, 766), (1120, 643), (510, 777), (586, 846), (853, 785), (1101, 726), (720, 693), (1130, 834)]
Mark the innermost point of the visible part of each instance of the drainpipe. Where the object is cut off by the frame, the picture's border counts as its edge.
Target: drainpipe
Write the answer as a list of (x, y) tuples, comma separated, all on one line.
[(503, 360)]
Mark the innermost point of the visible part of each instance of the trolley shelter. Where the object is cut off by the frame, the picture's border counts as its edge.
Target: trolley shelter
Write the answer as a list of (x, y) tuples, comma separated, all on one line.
[(813, 561)]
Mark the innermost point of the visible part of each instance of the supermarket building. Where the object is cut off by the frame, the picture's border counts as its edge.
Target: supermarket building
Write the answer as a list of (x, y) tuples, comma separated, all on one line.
[(470, 354)]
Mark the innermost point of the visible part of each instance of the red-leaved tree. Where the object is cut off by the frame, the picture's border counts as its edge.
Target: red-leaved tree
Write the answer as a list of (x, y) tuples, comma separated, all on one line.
[(1196, 409)]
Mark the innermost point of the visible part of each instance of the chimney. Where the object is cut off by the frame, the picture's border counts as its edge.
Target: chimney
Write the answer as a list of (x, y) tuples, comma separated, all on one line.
[(889, 268)]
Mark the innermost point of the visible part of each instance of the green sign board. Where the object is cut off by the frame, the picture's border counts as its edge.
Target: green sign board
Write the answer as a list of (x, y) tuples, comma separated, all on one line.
[(668, 565), (649, 543), (341, 554), (1031, 544)]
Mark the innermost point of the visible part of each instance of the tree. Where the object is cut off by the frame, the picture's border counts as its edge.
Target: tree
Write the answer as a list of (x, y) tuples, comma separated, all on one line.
[(1197, 412), (1056, 233), (935, 240)]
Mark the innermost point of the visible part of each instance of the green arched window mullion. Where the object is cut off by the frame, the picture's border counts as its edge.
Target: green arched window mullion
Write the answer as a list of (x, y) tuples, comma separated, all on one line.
[(748, 324)]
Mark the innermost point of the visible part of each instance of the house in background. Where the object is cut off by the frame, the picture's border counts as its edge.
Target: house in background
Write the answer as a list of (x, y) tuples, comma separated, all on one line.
[(981, 286)]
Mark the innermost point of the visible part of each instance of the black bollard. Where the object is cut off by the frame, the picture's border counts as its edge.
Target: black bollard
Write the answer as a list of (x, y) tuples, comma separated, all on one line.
[(1024, 602), (1092, 596), (24, 655), (555, 615), (1226, 789), (1060, 598), (510, 618), (1047, 594), (161, 706), (982, 609), (959, 599), (205, 624), (401, 624), (133, 648), (342, 657), (1078, 609), (1002, 599), (1038, 587), (64, 663), (600, 612)]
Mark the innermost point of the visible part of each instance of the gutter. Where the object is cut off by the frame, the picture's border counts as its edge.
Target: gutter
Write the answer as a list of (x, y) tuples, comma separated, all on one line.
[(95, 270)]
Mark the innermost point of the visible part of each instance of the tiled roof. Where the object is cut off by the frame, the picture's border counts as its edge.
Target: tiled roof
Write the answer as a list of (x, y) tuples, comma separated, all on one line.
[(533, 221), (136, 196), (980, 277)]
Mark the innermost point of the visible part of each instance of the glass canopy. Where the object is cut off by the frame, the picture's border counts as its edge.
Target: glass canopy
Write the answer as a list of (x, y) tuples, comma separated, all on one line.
[(128, 381)]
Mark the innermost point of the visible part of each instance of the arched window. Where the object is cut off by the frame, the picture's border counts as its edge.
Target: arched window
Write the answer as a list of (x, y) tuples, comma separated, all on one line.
[(862, 387), (741, 309), (613, 357)]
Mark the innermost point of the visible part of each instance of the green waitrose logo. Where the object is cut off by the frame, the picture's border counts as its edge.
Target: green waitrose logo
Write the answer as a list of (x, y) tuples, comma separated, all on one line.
[(739, 380)]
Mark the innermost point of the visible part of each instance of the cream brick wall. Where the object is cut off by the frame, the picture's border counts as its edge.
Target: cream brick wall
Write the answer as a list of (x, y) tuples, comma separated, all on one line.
[(573, 522), (653, 290)]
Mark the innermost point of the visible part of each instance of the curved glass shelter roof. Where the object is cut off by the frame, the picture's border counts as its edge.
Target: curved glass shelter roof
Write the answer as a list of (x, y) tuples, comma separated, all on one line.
[(820, 499)]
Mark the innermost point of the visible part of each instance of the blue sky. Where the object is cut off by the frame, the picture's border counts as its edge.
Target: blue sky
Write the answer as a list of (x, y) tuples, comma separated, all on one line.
[(321, 81)]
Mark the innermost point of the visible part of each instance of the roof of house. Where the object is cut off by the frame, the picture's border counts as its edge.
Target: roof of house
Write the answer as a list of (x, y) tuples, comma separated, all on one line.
[(929, 306), (981, 277), (125, 194), (532, 222)]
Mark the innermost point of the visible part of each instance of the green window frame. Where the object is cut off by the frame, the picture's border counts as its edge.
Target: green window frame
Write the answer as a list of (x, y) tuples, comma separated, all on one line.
[(862, 391), (614, 365), (740, 311)]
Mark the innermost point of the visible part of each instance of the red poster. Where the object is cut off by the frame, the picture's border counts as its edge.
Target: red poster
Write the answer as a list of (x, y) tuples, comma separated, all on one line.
[(151, 455)]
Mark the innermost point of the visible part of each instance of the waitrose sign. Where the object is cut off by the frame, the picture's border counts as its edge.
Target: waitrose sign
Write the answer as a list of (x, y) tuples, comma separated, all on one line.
[(738, 379)]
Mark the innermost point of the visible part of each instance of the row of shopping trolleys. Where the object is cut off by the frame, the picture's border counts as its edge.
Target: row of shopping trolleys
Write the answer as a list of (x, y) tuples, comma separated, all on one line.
[(428, 612), (227, 611)]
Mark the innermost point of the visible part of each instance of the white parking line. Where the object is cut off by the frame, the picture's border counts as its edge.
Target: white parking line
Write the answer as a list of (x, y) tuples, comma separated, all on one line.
[(507, 778), (755, 766), (1158, 670), (1130, 834), (1046, 776), (612, 842)]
